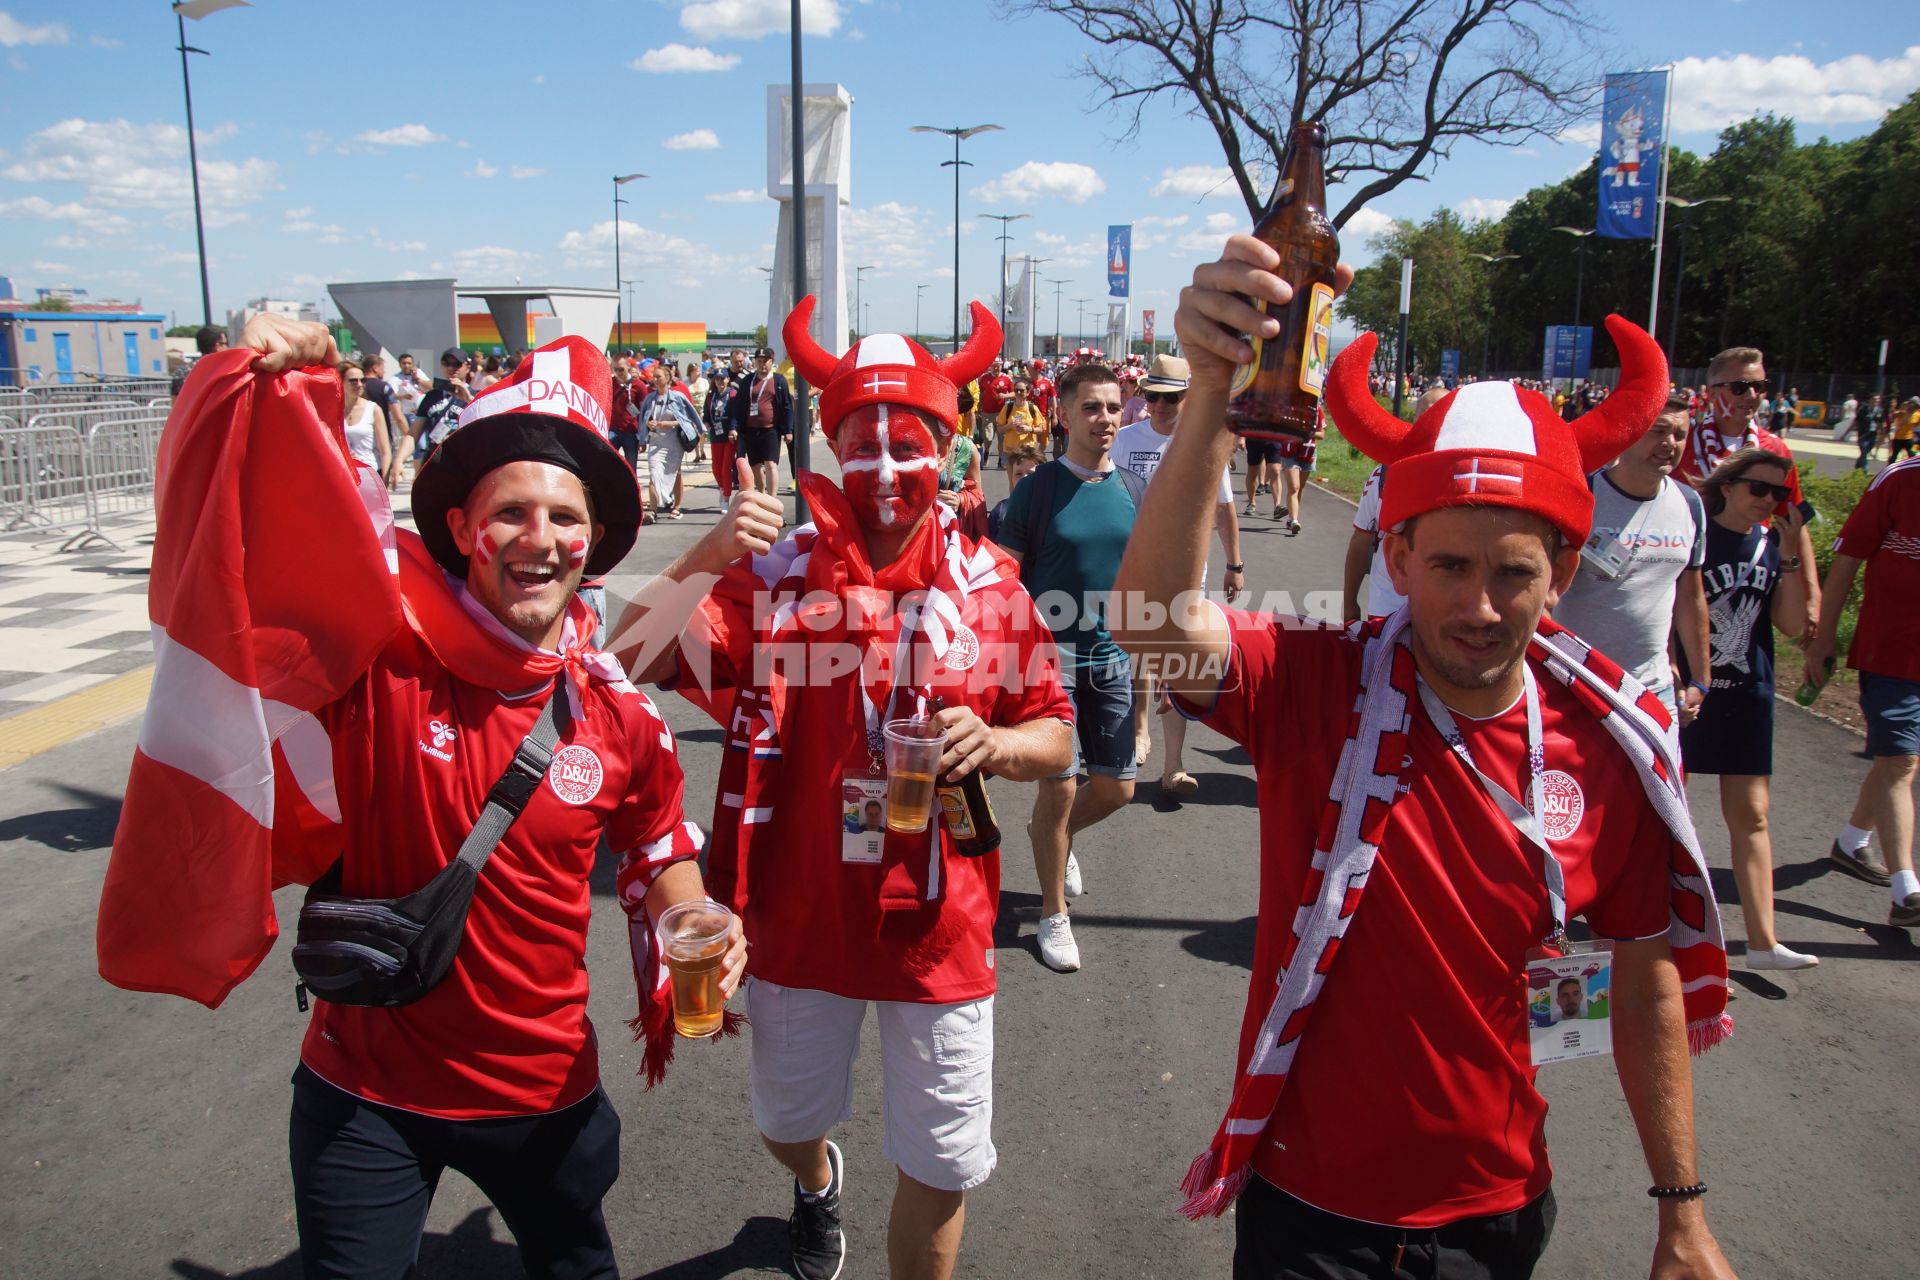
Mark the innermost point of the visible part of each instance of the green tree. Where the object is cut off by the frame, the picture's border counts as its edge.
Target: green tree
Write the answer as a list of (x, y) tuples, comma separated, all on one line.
[(1449, 287)]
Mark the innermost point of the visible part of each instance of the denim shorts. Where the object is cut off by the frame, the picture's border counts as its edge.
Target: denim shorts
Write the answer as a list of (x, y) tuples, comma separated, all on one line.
[(1102, 695), (1892, 708)]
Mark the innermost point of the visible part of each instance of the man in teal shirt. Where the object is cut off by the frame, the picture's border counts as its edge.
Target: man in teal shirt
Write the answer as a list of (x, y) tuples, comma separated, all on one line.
[(1068, 524)]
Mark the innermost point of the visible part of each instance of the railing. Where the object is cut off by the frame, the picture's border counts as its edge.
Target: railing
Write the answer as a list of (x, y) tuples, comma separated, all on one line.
[(68, 469)]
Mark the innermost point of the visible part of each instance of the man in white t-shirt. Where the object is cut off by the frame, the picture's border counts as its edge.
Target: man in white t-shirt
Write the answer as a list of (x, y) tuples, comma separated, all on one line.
[(1639, 578), (1138, 447)]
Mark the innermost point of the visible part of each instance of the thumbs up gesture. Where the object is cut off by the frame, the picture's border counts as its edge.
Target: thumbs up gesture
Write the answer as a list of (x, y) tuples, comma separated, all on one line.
[(749, 527)]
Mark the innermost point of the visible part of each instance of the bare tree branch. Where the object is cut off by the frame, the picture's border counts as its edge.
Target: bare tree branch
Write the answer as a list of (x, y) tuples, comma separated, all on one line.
[(1397, 82)]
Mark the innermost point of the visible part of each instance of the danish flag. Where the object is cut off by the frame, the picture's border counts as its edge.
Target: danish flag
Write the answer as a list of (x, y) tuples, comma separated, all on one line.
[(1489, 471)]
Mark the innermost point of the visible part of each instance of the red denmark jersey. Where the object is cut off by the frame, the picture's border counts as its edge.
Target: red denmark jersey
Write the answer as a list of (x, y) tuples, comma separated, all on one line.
[(415, 752), (1043, 392), (812, 919), (995, 390), (1411, 1100), (1884, 531)]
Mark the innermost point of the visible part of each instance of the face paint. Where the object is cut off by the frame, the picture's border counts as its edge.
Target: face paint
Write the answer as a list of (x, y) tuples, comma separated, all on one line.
[(889, 467), (576, 553), (486, 548)]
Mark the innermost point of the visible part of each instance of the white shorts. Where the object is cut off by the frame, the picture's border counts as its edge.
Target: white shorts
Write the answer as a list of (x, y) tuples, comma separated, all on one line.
[(936, 1059)]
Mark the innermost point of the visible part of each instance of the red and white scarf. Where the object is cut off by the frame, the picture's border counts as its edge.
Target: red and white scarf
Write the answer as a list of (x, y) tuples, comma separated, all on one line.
[(823, 590), (1289, 972)]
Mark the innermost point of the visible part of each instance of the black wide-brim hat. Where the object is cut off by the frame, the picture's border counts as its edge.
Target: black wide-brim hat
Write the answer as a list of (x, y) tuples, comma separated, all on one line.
[(553, 410)]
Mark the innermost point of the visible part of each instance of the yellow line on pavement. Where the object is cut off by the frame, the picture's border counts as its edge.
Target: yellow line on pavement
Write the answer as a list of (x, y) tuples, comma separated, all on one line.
[(29, 733)]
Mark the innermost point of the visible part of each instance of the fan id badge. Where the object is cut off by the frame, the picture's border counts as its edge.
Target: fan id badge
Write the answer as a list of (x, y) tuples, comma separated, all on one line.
[(1570, 1003), (863, 819), (1606, 556)]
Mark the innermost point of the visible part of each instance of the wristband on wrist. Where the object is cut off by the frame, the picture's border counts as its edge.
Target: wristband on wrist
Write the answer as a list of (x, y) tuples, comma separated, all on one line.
[(1236, 568), (1693, 1192), (1703, 688)]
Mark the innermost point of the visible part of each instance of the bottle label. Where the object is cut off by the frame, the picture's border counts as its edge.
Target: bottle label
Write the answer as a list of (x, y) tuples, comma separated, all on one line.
[(1243, 376), (953, 808), (1313, 358)]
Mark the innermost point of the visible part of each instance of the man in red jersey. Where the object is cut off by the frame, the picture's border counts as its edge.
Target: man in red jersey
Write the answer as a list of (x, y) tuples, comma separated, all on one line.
[(1384, 1117), (1736, 386), (494, 1071), (803, 649), (1041, 387)]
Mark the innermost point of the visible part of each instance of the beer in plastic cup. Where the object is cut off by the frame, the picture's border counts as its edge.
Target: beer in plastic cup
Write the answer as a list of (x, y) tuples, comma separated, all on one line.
[(694, 937), (913, 756)]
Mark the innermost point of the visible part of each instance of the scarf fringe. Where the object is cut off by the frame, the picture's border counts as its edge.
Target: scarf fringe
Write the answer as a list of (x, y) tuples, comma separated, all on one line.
[(1209, 1196), (653, 1028), (1708, 1032)]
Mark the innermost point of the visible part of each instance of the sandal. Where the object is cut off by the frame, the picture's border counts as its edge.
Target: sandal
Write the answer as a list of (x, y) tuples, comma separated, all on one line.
[(1180, 783)]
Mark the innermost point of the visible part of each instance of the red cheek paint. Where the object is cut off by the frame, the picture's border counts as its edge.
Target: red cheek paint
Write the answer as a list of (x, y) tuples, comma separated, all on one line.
[(576, 553), (486, 548)]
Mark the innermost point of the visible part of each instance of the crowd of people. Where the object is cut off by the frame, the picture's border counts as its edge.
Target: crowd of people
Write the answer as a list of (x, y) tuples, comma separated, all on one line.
[(1555, 609)]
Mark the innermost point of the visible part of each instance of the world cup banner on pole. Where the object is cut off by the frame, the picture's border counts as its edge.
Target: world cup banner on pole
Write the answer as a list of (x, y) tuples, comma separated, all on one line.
[(1119, 259), (1146, 326), (1633, 126)]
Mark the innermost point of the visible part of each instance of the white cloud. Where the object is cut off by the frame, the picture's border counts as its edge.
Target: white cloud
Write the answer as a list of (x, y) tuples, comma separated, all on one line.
[(894, 234), (490, 260), (69, 242), (1196, 182), (105, 42), (1211, 235), (645, 247), (481, 169), (693, 140), (539, 79), (1039, 180), (680, 57), (1712, 93), (405, 135), (142, 166), (86, 217), (1483, 208), (304, 211), (1161, 220), (398, 246), (522, 172), (751, 19), (14, 32), (1580, 135), (745, 195), (1363, 226), (52, 268)]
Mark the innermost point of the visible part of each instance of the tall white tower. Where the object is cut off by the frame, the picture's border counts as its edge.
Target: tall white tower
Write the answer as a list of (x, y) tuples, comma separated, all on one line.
[(826, 125)]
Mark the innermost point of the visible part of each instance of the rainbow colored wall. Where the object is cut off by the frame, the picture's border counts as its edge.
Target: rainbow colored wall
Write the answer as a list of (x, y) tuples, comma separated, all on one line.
[(479, 334)]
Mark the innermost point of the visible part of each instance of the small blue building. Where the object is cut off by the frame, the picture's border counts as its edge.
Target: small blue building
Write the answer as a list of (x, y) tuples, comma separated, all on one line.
[(80, 346)]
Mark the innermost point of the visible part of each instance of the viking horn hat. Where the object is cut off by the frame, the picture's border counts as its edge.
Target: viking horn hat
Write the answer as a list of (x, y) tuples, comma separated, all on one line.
[(1496, 443), (888, 368)]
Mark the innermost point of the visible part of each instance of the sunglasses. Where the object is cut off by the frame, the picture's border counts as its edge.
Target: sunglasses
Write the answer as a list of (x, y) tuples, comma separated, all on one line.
[(1740, 388), (1761, 489), (1163, 397)]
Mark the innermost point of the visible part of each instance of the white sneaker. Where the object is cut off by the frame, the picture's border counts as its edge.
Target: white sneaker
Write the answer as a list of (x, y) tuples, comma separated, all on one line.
[(1075, 885), (1057, 946), (1779, 956)]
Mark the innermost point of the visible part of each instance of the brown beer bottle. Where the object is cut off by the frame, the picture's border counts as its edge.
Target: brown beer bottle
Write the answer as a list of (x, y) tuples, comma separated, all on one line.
[(1276, 396), (965, 809)]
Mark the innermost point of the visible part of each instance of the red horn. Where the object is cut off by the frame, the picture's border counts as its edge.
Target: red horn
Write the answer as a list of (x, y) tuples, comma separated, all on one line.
[(1604, 431), (1350, 403), (815, 363), (970, 361)]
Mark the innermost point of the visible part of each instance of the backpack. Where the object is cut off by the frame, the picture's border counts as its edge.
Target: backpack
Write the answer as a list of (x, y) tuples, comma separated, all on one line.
[(1045, 480)]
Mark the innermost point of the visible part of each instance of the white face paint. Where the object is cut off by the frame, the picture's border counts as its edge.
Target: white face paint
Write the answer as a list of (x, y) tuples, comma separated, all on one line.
[(888, 482)]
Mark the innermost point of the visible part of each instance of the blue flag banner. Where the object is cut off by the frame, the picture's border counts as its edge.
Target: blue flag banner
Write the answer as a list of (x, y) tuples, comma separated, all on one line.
[(1567, 353), (1450, 366), (1119, 259), (1633, 126)]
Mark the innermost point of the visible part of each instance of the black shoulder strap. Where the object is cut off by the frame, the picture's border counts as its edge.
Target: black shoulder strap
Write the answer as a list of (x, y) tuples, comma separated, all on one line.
[(516, 786), (1135, 484), (1044, 479)]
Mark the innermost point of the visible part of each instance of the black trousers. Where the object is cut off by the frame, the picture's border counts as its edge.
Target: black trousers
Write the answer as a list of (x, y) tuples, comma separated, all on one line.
[(1277, 1237), (364, 1175)]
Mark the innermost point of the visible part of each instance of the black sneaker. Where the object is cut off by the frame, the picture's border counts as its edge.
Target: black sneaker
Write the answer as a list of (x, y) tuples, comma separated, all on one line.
[(1905, 915), (819, 1250)]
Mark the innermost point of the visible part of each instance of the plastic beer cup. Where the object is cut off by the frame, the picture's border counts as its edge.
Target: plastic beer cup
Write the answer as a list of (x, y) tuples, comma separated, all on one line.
[(913, 757), (694, 937)]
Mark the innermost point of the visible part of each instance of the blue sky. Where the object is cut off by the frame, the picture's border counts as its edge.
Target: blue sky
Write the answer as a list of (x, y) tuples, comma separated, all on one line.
[(424, 138)]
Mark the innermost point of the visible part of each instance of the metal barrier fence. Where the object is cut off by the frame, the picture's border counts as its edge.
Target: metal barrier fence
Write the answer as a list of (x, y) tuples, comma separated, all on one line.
[(67, 469)]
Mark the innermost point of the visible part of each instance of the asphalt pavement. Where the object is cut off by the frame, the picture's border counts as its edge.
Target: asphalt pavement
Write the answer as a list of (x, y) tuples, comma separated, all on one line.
[(146, 1136)]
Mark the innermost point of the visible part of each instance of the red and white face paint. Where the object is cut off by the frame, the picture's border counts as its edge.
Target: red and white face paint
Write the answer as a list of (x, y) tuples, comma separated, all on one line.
[(577, 553), (889, 466), (485, 548)]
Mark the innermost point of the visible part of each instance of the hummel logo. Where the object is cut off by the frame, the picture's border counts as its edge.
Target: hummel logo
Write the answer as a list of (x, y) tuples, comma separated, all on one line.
[(442, 732)]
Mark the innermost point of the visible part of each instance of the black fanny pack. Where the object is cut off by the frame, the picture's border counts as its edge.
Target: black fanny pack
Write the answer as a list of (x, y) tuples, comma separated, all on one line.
[(392, 951)]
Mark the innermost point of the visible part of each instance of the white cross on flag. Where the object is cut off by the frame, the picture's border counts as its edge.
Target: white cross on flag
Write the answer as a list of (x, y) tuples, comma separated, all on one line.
[(1493, 473)]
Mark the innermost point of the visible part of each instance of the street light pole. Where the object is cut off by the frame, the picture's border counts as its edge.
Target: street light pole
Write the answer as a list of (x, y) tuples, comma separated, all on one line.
[(959, 135), (1080, 314), (1680, 268), (1005, 235), (917, 291), (620, 315), (182, 10), (1059, 287), (1580, 268), (1486, 337), (859, 327)]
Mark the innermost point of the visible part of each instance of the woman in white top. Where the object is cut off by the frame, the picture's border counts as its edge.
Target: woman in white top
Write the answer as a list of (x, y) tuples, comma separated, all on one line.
[(667, 417), (367, 445)]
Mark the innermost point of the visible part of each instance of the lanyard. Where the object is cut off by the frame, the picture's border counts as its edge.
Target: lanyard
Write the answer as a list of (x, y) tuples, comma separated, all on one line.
[(1525, 818)]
